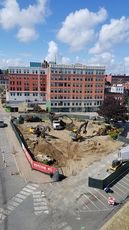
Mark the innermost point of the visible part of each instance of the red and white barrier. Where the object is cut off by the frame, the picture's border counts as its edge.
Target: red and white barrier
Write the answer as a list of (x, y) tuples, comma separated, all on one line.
[(37, 165)]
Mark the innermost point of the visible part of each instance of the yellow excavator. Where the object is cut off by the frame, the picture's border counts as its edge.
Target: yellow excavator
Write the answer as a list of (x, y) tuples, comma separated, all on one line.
[(76, 132)]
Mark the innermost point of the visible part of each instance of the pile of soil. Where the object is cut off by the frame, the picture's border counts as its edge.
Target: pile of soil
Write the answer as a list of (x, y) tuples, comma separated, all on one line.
[(66, 154)]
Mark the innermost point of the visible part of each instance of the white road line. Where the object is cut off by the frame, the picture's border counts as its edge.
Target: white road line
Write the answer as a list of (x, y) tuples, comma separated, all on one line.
[(40, 203), (120, 191), (91, 201), (9, 207), (125, 184), (39, 208), (6, 212), (2, 217), (38, 199), (35, 185), (81, 203), (13, 203), (126, 179), (67, 228), (24, 193), (100, 210), (31, 187), (20, 196), (118, 194), (27, 190), (17, 199), (61, 225), (105, 197), (100, 201)]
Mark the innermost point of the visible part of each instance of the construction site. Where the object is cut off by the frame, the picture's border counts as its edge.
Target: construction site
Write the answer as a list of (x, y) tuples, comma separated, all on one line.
[(68, 144)]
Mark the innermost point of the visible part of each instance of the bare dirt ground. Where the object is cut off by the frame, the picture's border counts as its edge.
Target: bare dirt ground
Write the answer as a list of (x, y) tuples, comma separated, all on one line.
[(70, 156)]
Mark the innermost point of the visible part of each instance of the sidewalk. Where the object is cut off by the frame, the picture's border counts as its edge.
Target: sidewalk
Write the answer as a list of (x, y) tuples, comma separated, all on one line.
[(22, 163)]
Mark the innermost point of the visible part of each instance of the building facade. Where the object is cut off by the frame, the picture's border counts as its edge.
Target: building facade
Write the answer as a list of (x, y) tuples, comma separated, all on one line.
[(75, 88), (64, 88), (3, 78), (26, 84), (119, 88)]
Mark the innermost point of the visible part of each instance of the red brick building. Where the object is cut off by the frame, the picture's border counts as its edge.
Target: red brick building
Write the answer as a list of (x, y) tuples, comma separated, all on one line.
[(63, 87), (27, 84), (74, 88)]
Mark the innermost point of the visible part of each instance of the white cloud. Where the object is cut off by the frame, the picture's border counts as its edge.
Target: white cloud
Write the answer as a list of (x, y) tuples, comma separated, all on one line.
[(115, 32), (25, 20), (27, 34), (106, 58), (78, 27), (54, 55), (5, 63)]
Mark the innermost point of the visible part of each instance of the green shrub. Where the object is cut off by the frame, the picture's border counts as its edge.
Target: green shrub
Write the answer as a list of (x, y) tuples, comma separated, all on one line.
[(113, 133)]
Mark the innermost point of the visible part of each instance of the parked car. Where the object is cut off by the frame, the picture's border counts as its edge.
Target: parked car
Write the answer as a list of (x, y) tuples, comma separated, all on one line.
[(2, 124)]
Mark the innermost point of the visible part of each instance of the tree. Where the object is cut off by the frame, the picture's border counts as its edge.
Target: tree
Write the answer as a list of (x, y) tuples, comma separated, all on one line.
[(112, 109)]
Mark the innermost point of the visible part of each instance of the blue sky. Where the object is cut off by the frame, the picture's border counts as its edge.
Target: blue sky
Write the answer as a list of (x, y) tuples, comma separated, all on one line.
[(91, 32)]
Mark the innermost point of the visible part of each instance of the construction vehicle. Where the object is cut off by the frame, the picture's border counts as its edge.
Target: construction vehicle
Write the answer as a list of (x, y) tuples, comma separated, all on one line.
[(76, 132), (40, 130), (57, 123), (123, 157), (115, 165)]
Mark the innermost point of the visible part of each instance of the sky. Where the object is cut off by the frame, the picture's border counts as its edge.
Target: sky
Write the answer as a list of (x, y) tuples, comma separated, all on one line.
[(90, 32)]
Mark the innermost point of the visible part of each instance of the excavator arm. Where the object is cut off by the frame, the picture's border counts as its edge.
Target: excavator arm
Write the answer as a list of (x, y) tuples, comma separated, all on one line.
[(76, 134)]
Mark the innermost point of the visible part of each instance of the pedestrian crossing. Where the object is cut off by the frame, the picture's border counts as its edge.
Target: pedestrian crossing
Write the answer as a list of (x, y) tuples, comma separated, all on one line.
[(40, 203), (15, 201)]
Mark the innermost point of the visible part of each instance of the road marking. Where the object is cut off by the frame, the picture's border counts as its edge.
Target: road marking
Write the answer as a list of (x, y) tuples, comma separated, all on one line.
[(40, 203), (93, 203), (126, 179), (27, 190), (123, 187), (14, 202), (105, 197), (125, 183), (67, 228), (118, 194), (25, 193), (20, 196), (120, 190), (99, 199), (84, 203)]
